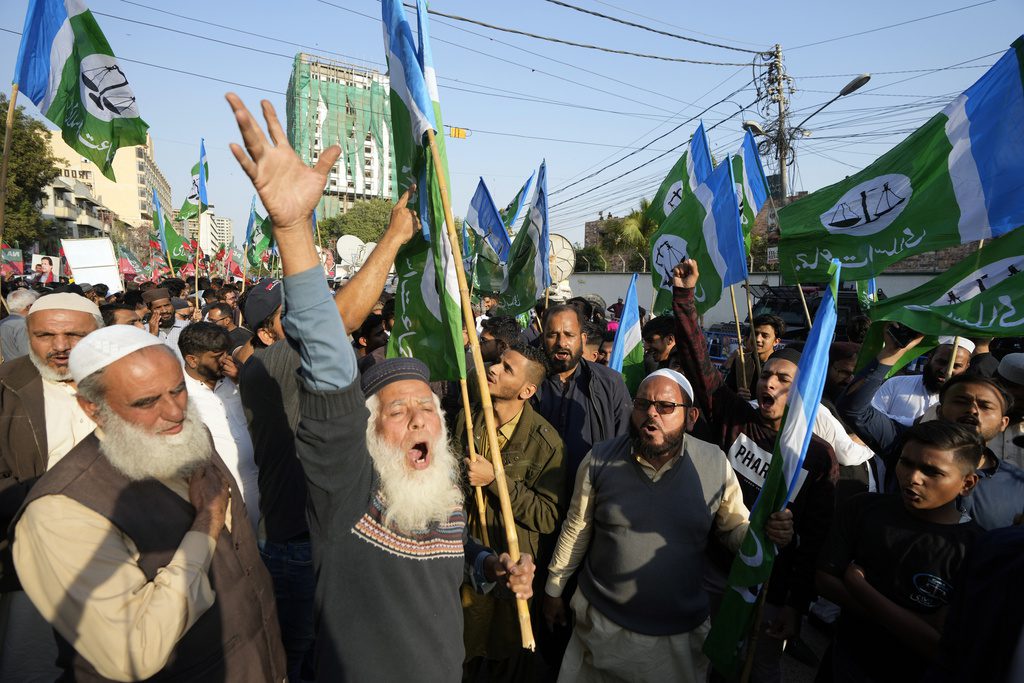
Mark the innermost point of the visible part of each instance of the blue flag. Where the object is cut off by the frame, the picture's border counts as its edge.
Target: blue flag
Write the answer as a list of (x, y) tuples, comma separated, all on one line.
[(752, 566), (485, 220), (628, 348), (510, 214), (252, 220), (699, 159), (723, 232), (158, 222), (751, 184)]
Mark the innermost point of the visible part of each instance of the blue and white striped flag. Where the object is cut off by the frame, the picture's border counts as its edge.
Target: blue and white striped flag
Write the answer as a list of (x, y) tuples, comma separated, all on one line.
[(66, 67), (628, 348), (485, 220), (751, 184), (753, 564), (723, 231)]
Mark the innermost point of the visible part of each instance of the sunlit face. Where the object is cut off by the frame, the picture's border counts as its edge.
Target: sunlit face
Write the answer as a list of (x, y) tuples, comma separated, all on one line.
[(208, 364), (128, 318), (764, 340), (147, 388), (977, 406), (230, 298), (508, 378), (659, 347), (163, 308), (604, 352), (773, 386), (657, 431), (930, 477), (563, 341), (409, 420), (934, 374), (53, 333)]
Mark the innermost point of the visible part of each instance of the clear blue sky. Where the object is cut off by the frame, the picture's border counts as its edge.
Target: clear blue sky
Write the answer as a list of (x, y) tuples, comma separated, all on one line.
[(644, 98)]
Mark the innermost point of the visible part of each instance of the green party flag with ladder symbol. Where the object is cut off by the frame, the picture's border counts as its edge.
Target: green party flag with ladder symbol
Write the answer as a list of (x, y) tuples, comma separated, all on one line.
[(981, 296), (428, 312), (958, 178), (66, 67), (528, 266)]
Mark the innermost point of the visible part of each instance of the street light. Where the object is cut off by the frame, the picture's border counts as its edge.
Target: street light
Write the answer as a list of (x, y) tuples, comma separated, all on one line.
[(784, 136)]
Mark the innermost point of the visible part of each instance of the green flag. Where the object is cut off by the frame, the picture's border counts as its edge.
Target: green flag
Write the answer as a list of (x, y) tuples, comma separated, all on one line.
[(66, 67), (260, 240), (956, 179), (510, 214), (528, 268), (982, 296), (428, 314), (175, 245), (190, 208)]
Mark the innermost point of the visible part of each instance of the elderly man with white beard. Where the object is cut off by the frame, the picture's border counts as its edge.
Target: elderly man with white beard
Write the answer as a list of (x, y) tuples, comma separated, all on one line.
[(136, 546), (40, 421), (385, 512)]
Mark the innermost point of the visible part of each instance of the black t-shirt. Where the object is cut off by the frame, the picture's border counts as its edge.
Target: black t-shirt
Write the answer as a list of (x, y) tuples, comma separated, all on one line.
[(910, 561)]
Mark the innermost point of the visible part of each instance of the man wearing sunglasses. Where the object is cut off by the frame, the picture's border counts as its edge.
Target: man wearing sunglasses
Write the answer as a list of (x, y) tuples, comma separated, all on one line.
[(642, 509), (747, 433)]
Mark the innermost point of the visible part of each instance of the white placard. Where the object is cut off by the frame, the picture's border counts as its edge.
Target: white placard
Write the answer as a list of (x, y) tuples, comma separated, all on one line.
[(93, 261)]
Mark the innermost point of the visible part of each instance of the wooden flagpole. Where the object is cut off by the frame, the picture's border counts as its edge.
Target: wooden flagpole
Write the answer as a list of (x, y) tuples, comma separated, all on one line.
[(478, 491), (807, 311), (522, 607), (739, 339), (199, 233), (8, 132), (753, 345), (245, 266)]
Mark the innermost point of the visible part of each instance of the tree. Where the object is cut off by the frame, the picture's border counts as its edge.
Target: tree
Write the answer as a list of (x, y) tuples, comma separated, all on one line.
[(367, 220), (632, 233), (31, 168), (590, 259)]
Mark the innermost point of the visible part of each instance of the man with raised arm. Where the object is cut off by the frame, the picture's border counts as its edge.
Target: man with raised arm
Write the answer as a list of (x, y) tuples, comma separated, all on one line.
[(385, 509)]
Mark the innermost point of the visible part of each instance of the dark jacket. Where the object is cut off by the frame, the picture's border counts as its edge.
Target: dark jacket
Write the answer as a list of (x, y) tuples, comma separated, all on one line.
[(535, 471), (23, 449)]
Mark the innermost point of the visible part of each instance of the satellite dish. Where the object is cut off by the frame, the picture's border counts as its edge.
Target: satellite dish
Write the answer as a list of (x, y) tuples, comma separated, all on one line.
[(350, 252), (562, 258), (367, 250)]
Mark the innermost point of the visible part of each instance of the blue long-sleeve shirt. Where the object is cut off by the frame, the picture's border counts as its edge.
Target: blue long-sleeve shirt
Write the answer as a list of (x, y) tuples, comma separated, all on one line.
[(315, 328), (994, 502)]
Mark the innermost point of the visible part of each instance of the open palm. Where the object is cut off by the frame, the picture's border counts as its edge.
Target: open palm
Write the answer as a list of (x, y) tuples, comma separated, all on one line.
[(288, 188)]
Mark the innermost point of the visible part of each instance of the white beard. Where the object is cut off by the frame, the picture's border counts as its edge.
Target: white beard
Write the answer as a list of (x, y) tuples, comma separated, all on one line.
[(415, 498), (138, 454), (46, 371)]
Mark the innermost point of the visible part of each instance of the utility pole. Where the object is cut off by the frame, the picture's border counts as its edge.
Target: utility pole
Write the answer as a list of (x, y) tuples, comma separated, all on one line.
[(783, 135)]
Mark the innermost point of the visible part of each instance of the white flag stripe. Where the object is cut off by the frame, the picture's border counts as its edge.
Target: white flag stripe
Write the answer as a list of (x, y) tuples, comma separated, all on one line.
[(963, 172)]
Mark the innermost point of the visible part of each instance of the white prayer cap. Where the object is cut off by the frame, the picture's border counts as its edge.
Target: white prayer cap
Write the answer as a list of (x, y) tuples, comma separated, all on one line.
[(1011, 368), (964, 343), (106, 345), (65, 301), (676, 377)]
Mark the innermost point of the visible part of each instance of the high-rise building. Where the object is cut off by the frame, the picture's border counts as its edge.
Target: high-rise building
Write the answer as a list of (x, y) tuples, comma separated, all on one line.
[(210, 230), (330, 102), (131, 197)]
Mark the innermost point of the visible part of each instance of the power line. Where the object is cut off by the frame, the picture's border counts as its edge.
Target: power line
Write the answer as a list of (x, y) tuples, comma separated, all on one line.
[(660, 137), (652, 30), (588, 46), (887, 73), (681, 28), (648, 162), (882, 28)]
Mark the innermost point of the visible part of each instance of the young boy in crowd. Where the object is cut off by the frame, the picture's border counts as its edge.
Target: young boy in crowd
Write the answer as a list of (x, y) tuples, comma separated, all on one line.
[(890, 560)]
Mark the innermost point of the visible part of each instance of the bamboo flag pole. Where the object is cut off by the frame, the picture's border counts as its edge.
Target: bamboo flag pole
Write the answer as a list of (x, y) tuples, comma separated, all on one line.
[(807, 311), (245, 265), (478, 491), (523, 609), (8, 131), (739, 338), (170, 264)]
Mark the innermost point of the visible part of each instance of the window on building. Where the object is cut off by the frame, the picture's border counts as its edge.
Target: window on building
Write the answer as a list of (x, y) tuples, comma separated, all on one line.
[(144, 207), (140, 153), (85, 175), (142, 192), (142, 167)]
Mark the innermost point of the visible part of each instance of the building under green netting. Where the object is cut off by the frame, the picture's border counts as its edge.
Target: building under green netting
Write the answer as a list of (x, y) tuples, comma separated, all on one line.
[(330, 103)]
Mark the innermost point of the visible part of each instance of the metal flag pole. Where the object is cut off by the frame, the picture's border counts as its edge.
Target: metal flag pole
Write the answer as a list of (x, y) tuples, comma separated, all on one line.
[(8, 132), (522, 607), (739, 339)]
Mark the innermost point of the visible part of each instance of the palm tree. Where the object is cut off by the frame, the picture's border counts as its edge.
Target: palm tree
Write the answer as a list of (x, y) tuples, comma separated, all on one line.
[(632, 233)]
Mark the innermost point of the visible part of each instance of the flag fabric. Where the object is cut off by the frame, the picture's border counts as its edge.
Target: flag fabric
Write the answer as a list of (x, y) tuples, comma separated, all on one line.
[(529, 269), (428, 312), (171, 244), (196, 201), (751, 184), (957, 179), (12, 261), (484, 218), (510, 214), (628, 348), (982, 296), (867, 293), (68, 70), (260, 240), (752, 566), (127, 262), (707, 228), (692, 169)]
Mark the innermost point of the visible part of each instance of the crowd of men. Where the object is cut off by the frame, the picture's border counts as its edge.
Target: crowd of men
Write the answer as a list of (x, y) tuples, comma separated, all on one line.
[(237, 484)]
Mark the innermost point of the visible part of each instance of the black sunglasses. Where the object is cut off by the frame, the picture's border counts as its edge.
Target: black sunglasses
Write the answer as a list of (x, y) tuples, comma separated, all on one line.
[(663, 407)]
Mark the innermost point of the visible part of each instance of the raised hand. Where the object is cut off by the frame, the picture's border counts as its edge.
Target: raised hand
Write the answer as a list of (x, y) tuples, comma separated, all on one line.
[(288, 188), (685, 274)]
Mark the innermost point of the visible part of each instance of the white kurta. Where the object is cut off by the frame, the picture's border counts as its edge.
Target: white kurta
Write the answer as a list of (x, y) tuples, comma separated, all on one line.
[(904, 398)]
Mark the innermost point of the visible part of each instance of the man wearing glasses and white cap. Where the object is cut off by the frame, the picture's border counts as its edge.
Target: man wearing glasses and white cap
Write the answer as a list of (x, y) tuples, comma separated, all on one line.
[(905, 398), (641, 512)]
